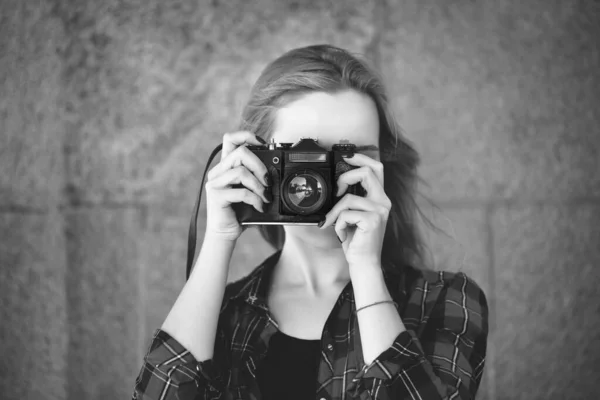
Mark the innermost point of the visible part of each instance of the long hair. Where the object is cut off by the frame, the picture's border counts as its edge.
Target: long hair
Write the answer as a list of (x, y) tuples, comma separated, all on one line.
[(329, 69)]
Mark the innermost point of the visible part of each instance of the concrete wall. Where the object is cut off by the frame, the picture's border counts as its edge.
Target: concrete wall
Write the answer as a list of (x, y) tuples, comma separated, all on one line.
[(109, 109)]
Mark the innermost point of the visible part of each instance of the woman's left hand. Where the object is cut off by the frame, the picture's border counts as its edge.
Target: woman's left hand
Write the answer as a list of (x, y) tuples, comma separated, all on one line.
[(360, 222)]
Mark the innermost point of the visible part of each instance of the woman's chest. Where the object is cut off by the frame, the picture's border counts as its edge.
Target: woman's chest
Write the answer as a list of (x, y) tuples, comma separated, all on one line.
[(258, 359)]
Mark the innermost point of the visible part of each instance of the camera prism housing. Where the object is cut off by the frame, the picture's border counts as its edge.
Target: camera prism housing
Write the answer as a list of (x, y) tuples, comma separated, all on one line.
[(304, 177)]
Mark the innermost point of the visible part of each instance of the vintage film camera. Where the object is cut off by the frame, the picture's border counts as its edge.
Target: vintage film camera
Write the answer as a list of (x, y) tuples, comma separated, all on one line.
[(304, 179)]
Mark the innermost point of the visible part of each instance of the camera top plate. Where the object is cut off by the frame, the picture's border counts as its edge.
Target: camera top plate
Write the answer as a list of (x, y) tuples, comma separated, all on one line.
[(306, 145)]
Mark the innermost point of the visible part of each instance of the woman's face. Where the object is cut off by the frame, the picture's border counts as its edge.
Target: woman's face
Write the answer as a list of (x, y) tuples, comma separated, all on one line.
[(329, 118)]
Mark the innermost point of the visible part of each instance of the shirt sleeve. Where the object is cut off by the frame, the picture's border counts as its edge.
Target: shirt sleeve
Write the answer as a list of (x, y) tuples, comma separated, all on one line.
[(444, 362), (171, 372)]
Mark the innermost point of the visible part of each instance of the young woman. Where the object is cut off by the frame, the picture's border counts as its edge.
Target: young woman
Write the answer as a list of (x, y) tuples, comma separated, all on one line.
[(344, 310)]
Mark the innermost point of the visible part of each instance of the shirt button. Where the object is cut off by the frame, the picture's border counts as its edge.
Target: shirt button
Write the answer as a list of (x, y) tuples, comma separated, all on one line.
[(329, 347), (323, 398)]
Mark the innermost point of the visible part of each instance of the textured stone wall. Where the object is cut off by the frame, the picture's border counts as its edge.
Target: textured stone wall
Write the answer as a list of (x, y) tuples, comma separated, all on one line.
[(109, 109), (33, 259)]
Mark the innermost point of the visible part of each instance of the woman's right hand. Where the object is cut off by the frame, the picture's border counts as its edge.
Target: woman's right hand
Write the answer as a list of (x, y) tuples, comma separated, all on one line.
[(238, 165)]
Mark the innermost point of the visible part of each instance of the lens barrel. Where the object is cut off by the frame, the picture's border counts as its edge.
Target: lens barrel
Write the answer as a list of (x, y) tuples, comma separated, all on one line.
[(304, 192)]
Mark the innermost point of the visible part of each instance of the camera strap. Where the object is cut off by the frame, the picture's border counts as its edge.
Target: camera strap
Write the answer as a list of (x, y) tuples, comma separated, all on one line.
[(193, 223)]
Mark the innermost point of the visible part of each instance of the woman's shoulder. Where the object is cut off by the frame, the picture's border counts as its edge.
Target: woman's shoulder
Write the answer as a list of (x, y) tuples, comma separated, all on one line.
[(447, 298), (424, 285), (412, 276)]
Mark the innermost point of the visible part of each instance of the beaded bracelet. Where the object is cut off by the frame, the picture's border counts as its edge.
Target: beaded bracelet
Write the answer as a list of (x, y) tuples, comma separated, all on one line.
[(378, 302)]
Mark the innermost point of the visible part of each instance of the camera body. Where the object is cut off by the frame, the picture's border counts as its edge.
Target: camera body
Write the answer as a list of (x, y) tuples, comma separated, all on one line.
[(304, 177)]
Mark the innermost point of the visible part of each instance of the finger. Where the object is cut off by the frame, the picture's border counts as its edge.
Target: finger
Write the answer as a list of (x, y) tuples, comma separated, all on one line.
[(364, 221), (239, 175), (361, 160), (233, 140), (242, 195), (241, 156), (367, 179), (352, 202)]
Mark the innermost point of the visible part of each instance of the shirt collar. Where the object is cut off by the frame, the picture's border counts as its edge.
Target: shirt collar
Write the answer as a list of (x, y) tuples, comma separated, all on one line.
[(255, 290)]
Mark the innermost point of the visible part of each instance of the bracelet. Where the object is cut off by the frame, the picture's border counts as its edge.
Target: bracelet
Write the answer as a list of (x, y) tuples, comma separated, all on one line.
[(378, 302)]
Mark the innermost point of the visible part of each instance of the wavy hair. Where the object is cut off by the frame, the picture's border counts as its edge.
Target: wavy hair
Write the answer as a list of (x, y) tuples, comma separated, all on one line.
[(329, 69)]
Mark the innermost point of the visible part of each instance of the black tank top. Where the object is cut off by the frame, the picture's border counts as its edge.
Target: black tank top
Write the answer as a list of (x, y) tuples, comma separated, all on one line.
[(289, 369)]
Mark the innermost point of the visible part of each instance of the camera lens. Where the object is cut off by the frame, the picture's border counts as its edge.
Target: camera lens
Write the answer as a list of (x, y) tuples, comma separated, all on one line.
[(304, 192)]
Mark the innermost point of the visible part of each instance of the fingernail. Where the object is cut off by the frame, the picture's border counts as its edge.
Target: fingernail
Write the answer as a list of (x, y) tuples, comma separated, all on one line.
[(338, 238), (268, 179), (348, 155), (260, 139), (268, 195), (320, 225)]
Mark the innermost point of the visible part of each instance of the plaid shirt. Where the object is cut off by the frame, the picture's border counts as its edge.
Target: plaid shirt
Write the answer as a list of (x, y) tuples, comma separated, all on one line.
[(440, 355)]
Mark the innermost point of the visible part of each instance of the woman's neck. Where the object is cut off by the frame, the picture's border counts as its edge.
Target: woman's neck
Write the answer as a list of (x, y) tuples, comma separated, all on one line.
[(313, 263)]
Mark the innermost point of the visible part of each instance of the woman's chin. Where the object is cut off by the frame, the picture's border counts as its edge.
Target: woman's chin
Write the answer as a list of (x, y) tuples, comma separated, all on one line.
[(312, 233)]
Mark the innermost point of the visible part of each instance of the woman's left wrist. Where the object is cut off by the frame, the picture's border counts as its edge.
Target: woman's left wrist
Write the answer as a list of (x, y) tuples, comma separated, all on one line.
[(368, 284), (365, 268)]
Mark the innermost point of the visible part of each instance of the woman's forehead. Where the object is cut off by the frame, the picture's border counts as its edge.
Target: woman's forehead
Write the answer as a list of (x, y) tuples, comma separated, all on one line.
[(330, 118)]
